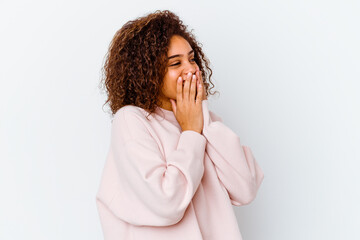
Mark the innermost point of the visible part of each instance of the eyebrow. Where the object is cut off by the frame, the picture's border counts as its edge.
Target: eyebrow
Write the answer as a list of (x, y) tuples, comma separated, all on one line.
[(178, 55)]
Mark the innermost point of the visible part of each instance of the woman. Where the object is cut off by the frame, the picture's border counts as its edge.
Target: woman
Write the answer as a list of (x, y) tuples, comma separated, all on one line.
[(174, 169)]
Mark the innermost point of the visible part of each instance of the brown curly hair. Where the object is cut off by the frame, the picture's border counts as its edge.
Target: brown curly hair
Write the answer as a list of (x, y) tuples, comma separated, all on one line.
[(136, 61)]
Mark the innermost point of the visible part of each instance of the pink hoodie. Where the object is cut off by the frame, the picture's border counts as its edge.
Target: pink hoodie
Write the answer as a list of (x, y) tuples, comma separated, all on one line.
[(162, 183)]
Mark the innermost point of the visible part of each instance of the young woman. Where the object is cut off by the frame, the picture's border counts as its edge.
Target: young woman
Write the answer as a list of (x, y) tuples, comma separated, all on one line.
[(174, 169)]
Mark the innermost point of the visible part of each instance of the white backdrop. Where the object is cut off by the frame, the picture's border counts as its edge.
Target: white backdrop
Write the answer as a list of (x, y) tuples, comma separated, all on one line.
[(288, 75)]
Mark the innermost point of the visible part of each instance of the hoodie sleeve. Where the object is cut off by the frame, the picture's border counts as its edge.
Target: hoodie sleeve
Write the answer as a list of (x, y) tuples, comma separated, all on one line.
[(235, 164), (146, 188)]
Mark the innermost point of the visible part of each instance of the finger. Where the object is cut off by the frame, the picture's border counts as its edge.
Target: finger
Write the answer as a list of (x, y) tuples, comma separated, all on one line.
[(193, 88), (199, 96), (196, 87), (200, 76), (197, 78), (203, 86), (179, 94), (187, 86)]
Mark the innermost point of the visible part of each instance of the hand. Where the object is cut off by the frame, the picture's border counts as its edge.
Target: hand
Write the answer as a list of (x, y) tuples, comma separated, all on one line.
[(188, 106)]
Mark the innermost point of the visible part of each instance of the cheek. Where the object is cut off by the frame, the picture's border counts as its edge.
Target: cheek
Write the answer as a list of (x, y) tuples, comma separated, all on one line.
[(172, 80), (173, 76), (169, 87)]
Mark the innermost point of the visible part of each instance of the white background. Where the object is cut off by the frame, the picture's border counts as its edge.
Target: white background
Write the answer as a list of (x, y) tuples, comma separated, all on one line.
[(288, 75)]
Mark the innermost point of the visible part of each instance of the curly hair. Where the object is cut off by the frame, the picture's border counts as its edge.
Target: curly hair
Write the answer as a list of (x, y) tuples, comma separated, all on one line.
[(136, 61)]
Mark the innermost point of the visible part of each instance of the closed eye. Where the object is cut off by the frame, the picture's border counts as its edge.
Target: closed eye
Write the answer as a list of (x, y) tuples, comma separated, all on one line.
[(193, 59)]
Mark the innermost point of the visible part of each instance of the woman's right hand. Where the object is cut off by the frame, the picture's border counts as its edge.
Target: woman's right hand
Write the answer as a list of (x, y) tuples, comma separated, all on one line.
[(188, 105)]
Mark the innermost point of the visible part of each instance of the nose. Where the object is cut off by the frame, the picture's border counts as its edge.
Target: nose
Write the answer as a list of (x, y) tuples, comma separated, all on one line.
[(191, 68)]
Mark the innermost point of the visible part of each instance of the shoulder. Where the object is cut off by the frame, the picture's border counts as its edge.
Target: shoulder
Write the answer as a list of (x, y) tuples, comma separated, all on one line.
[(129, 112), (131, 122), (214, 116)]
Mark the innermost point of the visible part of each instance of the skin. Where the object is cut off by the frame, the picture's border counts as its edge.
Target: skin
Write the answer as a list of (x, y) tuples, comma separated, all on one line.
[(183, 89)]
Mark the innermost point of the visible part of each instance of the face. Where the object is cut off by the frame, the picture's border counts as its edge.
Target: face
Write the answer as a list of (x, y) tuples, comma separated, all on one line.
[(180, 62)]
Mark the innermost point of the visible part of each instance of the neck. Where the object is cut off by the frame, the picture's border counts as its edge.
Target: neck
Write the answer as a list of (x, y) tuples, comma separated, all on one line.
[(165, 103)]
